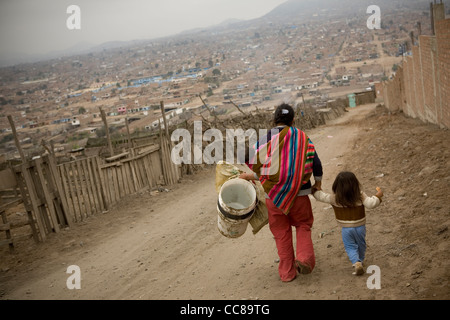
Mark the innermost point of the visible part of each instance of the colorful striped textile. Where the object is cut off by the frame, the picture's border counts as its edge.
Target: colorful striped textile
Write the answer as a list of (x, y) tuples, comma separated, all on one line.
[(283, 164)]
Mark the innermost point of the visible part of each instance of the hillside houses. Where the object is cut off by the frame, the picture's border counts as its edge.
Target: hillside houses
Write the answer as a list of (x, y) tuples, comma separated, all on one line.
[(257, 65)]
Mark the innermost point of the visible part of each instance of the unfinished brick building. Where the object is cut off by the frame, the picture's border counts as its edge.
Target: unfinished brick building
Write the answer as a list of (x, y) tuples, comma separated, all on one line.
[(421, 86)]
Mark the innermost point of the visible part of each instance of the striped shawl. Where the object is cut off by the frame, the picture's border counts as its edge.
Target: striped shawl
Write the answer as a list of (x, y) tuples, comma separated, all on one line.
[(283, 163)]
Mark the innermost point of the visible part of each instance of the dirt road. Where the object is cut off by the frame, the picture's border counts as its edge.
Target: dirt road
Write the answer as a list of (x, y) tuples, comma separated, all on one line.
[(167, 246)]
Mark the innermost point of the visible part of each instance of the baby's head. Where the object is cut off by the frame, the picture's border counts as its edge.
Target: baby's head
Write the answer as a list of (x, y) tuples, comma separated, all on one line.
[(347, 189)]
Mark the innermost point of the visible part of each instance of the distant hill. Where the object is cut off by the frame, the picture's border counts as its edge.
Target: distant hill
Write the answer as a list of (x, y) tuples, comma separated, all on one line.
[(299, 8), (296, 8), (13, 58), (228, 22), (224, 24), (291, 10)]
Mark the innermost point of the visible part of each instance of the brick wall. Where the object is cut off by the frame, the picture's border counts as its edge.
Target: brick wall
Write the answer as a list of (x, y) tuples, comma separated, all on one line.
[(391, 92), (418, 82), (442, 29), (428, 61), (421, 87)]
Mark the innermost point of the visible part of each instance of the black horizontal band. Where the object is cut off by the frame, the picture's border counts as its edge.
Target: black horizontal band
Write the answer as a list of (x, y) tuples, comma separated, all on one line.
[(232, 216)]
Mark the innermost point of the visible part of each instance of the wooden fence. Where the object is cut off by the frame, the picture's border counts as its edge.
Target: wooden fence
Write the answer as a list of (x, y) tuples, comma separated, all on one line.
[(82, 188), (93, 184), (40, 189), (57, 195)]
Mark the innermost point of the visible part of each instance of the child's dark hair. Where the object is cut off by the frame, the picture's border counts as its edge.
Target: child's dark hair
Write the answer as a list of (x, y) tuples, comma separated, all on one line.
[(284, 114), (346, 189)]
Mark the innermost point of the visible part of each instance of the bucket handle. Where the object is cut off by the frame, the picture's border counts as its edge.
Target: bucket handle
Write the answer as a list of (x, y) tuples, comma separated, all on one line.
[(235, 217)]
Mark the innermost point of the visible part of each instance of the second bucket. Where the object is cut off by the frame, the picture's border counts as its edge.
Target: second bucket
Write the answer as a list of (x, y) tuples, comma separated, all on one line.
[(236, 204)]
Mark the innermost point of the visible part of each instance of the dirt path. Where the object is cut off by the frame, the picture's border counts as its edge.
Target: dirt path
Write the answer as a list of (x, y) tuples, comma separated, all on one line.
[(167, 246)]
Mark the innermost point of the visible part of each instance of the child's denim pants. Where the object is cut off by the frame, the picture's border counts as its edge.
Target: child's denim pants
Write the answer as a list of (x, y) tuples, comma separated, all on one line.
[(355, 243)]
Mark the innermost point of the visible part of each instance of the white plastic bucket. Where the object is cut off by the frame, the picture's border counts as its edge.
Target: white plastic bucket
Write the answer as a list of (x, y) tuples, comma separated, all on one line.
[(236, 204)]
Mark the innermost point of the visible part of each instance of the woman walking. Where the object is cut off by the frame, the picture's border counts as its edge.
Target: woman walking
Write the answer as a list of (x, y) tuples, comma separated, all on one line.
[(284, 162)]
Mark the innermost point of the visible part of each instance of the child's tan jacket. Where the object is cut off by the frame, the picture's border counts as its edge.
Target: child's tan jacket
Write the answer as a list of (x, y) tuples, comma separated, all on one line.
[(349, 216)]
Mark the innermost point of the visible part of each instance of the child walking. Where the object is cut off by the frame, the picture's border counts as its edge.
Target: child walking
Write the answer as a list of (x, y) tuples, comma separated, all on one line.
[(349, 202)]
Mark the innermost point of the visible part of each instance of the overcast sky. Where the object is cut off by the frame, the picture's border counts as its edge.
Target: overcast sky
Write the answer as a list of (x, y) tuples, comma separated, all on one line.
[(39, 26)]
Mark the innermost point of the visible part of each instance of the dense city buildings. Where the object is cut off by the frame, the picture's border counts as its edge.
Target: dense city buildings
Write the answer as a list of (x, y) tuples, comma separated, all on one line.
[(316, 56)]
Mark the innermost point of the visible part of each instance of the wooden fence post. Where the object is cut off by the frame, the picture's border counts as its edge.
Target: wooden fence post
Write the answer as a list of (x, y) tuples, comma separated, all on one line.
[(48, 198), (34, 200), (128, 133), (111, 151), (98, 169), (55, 174), (132, 152), (16, 139), (163, 112), (26, 201)]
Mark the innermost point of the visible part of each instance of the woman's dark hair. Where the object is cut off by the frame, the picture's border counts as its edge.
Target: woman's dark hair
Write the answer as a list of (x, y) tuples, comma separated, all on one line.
[(346, 189), (284, 114)]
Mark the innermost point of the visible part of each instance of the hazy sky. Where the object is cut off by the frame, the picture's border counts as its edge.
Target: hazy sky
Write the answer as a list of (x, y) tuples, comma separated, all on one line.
[(39, 26)]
